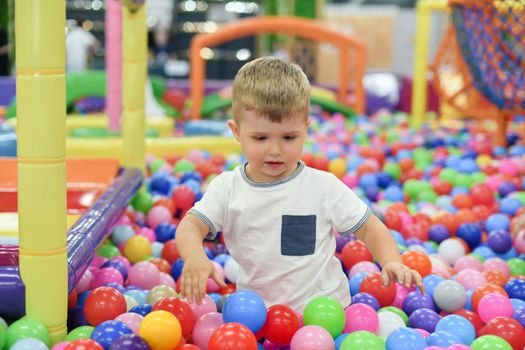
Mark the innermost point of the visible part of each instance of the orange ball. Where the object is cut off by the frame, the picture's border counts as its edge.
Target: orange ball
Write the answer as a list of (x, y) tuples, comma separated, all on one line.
[(417, 261), (495, 277), (462, 201), (449, 220), (162, 264), (467, 215), (406, 164), (483, 290)]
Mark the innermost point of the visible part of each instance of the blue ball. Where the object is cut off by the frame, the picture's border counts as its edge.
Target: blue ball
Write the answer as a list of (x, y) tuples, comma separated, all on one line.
[(398, 237), (415, 300), (339, 340), (121, 233), (394, 194), (484, 251), (109, 331), (500, 241), (517, 303), (142, 309), (221, 259), (509, 205), (138, 294), (176, 268), (438, 233), (160, 183), (430, 282), (519, 315), (368, 180), (467, 166), (497, 222), (384, 179), (405, 338), (355, 281), (515, 288), (245, 307), (470, 233), (366, 298), (458, 326), (165, 232), (443, 339)]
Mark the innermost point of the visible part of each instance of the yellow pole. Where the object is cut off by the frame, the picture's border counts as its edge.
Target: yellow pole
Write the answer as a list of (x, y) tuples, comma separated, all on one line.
[(134, 71), (41, 92), (419, 85)]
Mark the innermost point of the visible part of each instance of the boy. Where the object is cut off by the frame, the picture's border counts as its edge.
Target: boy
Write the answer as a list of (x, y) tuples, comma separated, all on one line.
[(276, 214)]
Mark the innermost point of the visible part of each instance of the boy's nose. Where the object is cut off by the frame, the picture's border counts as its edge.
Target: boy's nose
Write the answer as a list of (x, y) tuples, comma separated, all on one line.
[(275, 148)]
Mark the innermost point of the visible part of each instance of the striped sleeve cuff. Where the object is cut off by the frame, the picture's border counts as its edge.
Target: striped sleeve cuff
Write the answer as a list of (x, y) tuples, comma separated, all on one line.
[(204, 218), (360, 223)]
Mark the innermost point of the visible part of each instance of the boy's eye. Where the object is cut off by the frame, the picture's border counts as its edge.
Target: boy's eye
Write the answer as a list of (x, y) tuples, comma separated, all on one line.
[(259, 138), (289, 138)]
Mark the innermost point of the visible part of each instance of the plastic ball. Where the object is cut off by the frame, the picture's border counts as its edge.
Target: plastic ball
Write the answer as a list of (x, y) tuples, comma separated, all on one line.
[(438, 233), (161, 330), (494, 305), (365, 298), (137, 248), (103, 304), (24, 329), (144, 275), (470, 233), (451, 250), (108, 331), (361, 317), (426, 319), (311, 337), (450, 296), (470, 278), (354, 252), (500, 241), (515, 288), (405, 338), (483, 290), (458, 326), (246, 308), (508, 329), (204, 328), (206, 305), (232, 336), (129, 342), (281, 324), (388, 322), (83, 344), (373, 285), (417, 261), (131, 319), (490, 342)]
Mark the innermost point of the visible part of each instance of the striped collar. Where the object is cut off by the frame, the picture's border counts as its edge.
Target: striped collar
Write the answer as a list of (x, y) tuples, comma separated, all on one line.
[(300, 167)]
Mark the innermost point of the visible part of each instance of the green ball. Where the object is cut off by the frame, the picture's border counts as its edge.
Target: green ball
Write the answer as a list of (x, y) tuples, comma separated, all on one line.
[(428, 196), (462, 180), (395, 310), (2, 337), (183, 166), (412, 187), (448, 175), (490, 342), (478, 178), (478, 256), (517, 266), (520, 196), (361, 340), (108, 251), (327, 313), (393, 169), (142, 201), (82, 332), (27, 328), (156, 164)]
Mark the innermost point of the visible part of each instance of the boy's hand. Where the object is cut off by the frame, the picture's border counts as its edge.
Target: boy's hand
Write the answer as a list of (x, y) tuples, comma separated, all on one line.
[(195, 273), (397, 271)]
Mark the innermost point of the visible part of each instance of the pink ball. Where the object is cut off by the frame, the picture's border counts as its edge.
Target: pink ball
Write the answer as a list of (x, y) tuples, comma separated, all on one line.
[(401, 293), (361, 317), (406, 219), (363, 266), (350, 180), (98, 261), (85, 281), (124, 220), (167, 280), (144, 275), (148, 233), (123, 260), (131, 319), (268, 345), (459, 347), (470, 279), (423, 332), (434, 347), (211, 285), (204, 327), (60, 346), (467, 262), (494, 305), (312, 338), (107, 275), (207, 305), (508, 168), (497, 264), (493, 182), (300, 318), (519, 241), (158, 215)]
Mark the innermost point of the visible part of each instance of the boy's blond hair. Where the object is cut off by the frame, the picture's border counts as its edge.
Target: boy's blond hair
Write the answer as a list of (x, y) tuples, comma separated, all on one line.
[(275, 89)]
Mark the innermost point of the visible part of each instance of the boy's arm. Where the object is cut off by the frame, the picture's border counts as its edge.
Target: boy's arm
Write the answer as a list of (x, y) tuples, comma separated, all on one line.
[(383, 247), (197, 267)]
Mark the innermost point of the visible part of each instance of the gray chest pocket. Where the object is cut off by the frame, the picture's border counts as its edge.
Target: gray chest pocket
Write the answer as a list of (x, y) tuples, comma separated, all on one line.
[(298, 235)]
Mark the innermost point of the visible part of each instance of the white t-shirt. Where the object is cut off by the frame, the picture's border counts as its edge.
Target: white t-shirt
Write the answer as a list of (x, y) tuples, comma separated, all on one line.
[(281, 233), (78, 43)]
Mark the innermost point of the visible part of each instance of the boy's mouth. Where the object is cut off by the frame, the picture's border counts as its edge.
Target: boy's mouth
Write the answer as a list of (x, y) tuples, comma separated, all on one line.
[(274, 164)]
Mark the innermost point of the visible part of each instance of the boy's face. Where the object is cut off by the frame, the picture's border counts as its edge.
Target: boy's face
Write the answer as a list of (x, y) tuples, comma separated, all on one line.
[(271, 149)]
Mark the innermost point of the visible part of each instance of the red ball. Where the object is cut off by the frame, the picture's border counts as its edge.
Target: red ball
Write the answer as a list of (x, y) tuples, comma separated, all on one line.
[(462, 201), (482, 194), (393, 220), (506, 328), (103, 304), (83, 344), (308, 159), (232, 336), (442, 187), (417, 261), (372, 285), (169, 251), (281, 324), (321, 163), (183, 197), (416, 231), (354, 252), (229, 289), (72, 299), (179, 309)]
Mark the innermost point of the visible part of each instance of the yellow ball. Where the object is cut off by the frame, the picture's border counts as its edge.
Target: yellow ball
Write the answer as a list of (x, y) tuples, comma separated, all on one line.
[(161, 330), (137, 248), (483, 160), (337, 167)]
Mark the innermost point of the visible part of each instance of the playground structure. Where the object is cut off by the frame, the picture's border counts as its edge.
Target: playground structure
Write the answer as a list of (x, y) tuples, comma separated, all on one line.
[(481, 83)]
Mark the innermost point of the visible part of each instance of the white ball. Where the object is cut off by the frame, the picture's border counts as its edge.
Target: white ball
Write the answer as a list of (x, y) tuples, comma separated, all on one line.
[(451, 250), (130, 302), (231, 270), (388, 322), (450, 296)]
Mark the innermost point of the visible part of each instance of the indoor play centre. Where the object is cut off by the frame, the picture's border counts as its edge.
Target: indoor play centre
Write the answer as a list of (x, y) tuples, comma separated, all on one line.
[(98, 167)]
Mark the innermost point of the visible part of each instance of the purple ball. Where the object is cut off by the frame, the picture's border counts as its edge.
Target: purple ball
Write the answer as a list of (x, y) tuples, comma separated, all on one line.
[(341, 241), (515, 288), (130, 342), (415, 300), (365, 298), (438, 233), (506, 188), (500, 241), (426, 319)]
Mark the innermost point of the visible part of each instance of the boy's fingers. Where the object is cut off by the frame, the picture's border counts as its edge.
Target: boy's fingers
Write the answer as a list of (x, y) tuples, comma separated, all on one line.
[(419, 282), (408, 277), (384, 278), (203, 279), (218, 278), (400, 275)]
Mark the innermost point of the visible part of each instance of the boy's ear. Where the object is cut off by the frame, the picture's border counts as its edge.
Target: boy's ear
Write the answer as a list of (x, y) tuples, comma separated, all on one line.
[(234, 128)]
